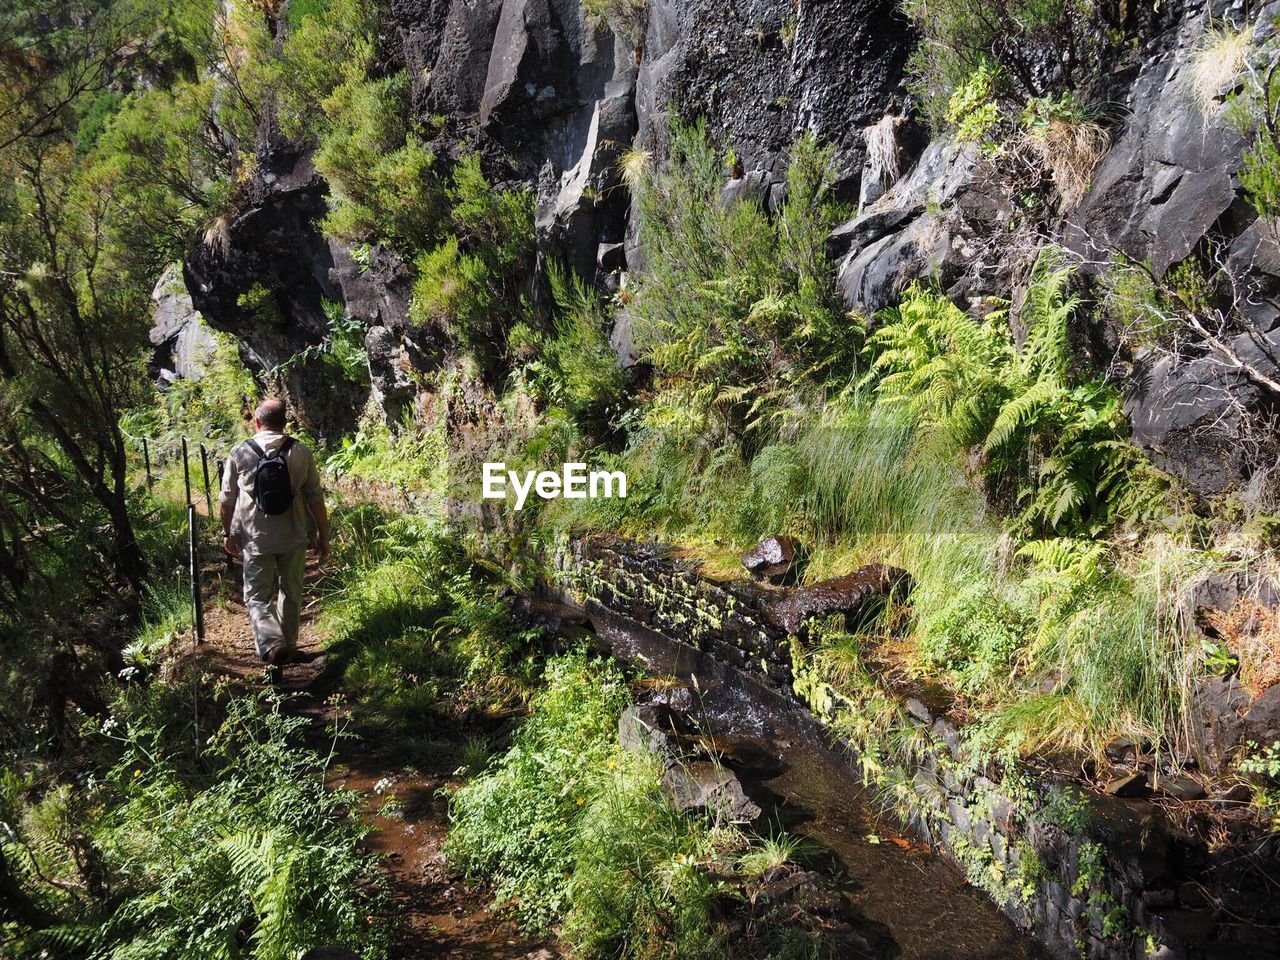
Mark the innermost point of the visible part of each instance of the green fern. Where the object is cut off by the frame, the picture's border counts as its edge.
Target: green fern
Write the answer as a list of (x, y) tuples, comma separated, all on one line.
[(1062, 445)]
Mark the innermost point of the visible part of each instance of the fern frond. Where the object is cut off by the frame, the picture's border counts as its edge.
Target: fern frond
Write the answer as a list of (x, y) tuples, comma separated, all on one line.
[(1019, 414)]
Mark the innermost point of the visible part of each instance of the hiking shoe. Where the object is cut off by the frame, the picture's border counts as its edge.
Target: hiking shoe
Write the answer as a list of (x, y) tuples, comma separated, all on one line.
[(278, 655)]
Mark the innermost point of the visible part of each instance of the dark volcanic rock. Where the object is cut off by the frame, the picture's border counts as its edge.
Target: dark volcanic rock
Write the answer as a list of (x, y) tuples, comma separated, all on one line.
[(1170, 175), (1182, 788), (857, 596), (775, 559), (761, 71), (1189, 415), (1128, 785), (910, 233), (265, 279), (1222, 591), (707, 786), (1217, 713), (646, 728), (1168, 190), (182, 341), (703, 785), (1262, 721)]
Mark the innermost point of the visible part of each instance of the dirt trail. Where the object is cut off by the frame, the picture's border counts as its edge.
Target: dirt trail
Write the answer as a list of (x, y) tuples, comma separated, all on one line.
[(437, 916)]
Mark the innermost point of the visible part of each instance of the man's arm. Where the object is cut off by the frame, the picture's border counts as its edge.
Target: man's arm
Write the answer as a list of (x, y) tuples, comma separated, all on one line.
[(227, 505), (313, 493), (321, 513)]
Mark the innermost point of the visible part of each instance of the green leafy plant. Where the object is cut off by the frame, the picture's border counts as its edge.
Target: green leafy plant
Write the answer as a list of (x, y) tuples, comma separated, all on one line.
[(1018, 36), (1060, 443), (341, 349), (736, 308), (472, 283), (972, 108), (574, 365), (247, 854)]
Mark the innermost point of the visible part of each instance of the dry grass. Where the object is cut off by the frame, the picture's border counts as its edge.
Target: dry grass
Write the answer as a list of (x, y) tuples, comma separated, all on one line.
[(217, 235), (882, 147), (1216, 64), (1071, 150), (632, 166), (1252, 632)]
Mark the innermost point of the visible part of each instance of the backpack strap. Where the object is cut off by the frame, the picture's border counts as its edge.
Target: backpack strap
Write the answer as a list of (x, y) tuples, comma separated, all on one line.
[(262, 454)]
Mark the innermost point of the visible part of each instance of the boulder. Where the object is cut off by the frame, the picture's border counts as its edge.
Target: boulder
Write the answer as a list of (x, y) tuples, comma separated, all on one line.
[(776, 560), (1128, 785), (1189, 415), (1218, 706), (708, 787), (182, 341), (647, 728), (1182, 788), (857, 596), (1222, 591), (703, 785), (1262, 720)]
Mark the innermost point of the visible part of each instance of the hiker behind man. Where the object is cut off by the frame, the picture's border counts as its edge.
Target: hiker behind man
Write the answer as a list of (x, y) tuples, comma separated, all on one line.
[(271, 502)]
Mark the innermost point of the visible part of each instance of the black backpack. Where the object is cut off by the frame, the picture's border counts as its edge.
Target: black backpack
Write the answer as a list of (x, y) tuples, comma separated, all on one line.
[(272, 490)]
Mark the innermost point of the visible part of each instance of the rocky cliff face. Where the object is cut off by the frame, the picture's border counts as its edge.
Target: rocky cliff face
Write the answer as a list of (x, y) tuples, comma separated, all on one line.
[(552, 97)]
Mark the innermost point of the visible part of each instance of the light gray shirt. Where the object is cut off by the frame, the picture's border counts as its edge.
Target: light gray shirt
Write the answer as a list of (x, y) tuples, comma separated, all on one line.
[(257, 532)]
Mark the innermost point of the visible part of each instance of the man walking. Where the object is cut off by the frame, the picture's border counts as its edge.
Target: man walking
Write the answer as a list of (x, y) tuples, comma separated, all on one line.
[(271, 502)]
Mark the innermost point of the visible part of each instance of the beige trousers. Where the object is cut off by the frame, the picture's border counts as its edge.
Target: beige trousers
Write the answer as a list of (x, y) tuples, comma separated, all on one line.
[(273, 597)]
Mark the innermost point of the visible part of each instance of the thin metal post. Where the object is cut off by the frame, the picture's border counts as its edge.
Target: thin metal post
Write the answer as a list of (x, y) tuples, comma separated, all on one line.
[(186, 470), (193, 547), (204, 465), (197, 608), (146, 460)]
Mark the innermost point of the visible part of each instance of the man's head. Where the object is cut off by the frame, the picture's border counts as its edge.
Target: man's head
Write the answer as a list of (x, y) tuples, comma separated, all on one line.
[(270, 416)]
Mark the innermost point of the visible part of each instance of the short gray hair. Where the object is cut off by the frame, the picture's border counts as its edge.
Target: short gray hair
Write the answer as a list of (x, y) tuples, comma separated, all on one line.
[(270, 414)]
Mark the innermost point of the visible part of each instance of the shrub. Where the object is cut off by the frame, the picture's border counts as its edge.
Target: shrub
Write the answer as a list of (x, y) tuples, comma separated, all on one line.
[(977, 637), (972, 108), (517, 825), (575, 365), (1061, 443), (165, 178), (248, 854), (1038, 46), (382, 176), (412, 457), (473, 282), (341, 349), (735, 308), (327, 43)]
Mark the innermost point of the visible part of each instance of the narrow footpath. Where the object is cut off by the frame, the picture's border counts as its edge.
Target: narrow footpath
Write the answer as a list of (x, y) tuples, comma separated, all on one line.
[(436, 914)]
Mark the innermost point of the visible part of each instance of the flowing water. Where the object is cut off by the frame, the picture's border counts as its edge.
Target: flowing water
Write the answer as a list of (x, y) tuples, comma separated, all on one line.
[(913, 902)]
